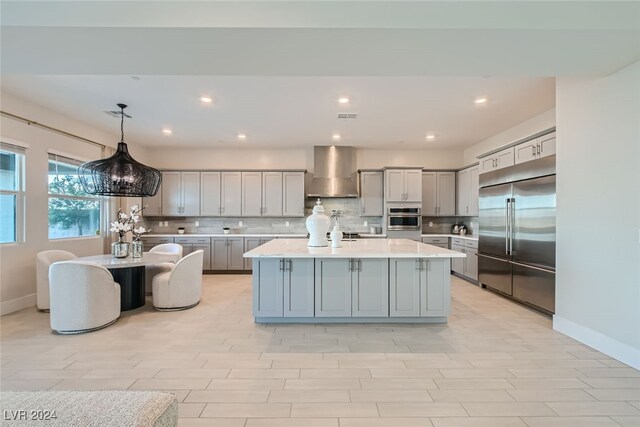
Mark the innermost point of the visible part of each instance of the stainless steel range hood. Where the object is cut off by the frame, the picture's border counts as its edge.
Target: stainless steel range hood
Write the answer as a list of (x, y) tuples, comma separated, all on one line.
[(334, 173)]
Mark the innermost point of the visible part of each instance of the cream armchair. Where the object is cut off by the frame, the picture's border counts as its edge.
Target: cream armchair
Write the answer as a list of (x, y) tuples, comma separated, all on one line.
[(180, 288), (84, 297), (152, 270), (43, 262)]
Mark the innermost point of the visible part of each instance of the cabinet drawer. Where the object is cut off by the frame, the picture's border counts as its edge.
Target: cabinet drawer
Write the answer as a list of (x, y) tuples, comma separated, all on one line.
[(432, 240), (457, 241), (157, 240), (457, 248), (193, 240), (471, 244)]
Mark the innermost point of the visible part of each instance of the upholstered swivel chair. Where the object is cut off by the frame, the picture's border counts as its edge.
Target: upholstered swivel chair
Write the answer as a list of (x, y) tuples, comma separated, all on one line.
[(84, 297), (180, 288), (43, 261), (152, 270)]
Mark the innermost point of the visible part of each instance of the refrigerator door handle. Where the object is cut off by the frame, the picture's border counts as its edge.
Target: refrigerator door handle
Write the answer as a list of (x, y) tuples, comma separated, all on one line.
[(507, 217), (512, 205)]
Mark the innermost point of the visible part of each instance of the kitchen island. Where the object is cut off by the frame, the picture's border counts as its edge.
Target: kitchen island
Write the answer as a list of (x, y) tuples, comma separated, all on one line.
[(364, 281)]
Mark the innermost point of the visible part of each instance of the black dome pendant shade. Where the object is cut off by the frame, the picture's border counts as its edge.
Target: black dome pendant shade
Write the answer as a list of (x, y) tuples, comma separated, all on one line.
[(119, 175)]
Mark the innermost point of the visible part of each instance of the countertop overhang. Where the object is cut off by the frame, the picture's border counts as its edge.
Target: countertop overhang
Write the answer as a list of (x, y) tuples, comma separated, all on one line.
[(365, 248)]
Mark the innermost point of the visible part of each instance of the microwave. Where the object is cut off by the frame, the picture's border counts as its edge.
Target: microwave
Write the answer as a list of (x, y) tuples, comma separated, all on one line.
[(404, 218)]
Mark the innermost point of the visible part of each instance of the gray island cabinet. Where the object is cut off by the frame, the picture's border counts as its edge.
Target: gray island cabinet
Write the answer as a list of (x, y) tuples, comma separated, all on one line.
[(365, 281)]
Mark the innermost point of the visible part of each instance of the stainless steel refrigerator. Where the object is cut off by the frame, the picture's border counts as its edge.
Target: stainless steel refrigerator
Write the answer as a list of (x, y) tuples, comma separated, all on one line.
[(517, 240)]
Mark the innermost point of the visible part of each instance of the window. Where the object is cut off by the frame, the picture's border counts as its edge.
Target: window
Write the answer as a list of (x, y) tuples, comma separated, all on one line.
[(11, 193), (72, 212)]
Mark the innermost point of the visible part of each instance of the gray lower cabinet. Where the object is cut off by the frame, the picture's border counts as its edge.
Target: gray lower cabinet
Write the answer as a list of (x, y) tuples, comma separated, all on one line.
[(457, 264), (298, 287), (332, 287), (151, 242), (252, 243), (404, 287), (226, 253), (370, 287), (466, 267), (192, 244), (268, 285), (419, 287)]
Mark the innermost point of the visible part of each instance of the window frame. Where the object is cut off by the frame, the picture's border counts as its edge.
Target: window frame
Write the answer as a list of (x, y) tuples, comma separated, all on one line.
[(20, 194), (61, 157)]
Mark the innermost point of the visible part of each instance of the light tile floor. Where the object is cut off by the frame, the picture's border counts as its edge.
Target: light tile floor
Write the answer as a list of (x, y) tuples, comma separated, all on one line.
[(494, 364)]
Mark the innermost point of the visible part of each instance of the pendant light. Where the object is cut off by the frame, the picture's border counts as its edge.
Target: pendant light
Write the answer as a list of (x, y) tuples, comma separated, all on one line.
[(119, 175)]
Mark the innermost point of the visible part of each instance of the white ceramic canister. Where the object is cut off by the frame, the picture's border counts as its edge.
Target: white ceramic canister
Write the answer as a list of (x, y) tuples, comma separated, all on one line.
[(317, 225), (336, 237)]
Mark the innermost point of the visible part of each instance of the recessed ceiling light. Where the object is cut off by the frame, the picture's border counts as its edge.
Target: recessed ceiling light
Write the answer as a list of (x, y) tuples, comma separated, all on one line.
[(242, 136), (206, 99), (167, 131), (343, 100), (481, 100), (336, 137), (431, 137)]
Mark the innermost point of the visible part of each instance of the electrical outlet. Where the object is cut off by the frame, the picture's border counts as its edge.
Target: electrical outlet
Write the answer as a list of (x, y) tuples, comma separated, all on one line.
[(286, 224), (430, 223), (166, 223), (366, 223), (197, 223), (159, 223), (239, 223)]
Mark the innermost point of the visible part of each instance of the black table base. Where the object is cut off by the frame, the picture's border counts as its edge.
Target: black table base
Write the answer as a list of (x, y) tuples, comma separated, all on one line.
[(131, 280)]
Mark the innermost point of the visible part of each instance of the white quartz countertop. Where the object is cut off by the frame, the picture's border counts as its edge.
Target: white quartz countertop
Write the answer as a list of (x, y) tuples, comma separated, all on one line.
[(362, 248), (278, 235), (457, 236)]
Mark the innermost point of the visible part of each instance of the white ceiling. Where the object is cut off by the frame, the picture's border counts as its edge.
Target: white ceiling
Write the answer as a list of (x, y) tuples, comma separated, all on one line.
[(276, 68)]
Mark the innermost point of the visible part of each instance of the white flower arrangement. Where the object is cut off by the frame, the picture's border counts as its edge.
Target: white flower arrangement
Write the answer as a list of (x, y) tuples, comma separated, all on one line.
[(125, 223), (138, 232)]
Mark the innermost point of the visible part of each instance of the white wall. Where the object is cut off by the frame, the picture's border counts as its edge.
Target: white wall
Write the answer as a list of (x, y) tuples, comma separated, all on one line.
[(598, 197), (529, 127), (17, 261)]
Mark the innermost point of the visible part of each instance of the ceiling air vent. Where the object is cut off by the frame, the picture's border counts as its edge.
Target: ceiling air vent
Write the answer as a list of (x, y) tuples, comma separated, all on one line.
[(347, 116)]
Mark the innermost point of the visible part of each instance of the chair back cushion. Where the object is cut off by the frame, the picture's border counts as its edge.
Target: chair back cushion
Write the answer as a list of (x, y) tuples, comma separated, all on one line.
[(168, 248), (43, 260), (186, 277)]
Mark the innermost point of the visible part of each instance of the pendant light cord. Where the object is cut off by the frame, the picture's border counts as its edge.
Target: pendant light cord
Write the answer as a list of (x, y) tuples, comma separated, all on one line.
[(122, 124)]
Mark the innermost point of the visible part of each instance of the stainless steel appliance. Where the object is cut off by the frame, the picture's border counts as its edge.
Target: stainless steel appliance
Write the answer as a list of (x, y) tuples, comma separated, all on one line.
[(404, 221), (517, 239)]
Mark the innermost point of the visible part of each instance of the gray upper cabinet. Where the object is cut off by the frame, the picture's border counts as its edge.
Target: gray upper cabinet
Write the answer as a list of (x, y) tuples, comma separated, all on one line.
[(332, 287), (272, 190), (251, 193), (371, 193), (268, 284), (181, 193), (153, 204), (547, 144), (404, 287), (299, 287), (498, 160), (293, 194), (210, 194), (468, 185), (231, 193), (542, 146), (403, 185), (438, 193), (370, 287)]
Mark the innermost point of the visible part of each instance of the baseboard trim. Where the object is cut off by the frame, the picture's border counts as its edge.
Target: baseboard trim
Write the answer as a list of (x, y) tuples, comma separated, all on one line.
[(609, 346), (17, 304)]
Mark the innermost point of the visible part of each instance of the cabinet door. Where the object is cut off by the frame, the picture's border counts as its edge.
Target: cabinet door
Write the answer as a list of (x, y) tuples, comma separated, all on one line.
[(268, 279), (547, 144), (186, 249), (231, 189), (370, 288), (505, 158), (251, 193), (332, 288), (394, 190), (371, 194), (471, 264), (429, 193), (293, 194), (153, 204), (206, 256), (190, 193), (457, 264), (235, 260), (249, 244), (435, 288), (446, 193), (210, 193), (487, 164), (462, 190), (526, 151), (219, 253), (413, 185), (272, 194), (404, 287), (474, 190), (171, 193), (298, 287)]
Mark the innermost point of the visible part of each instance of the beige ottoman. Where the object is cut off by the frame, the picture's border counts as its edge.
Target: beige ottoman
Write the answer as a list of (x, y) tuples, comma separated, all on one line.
[(89, 408)]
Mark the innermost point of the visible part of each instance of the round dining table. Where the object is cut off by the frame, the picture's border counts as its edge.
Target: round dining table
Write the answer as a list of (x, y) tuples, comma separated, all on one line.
[(129, 273)]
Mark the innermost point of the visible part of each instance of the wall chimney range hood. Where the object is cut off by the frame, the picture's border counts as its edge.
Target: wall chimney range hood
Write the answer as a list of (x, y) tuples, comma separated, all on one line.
[(334, 172)]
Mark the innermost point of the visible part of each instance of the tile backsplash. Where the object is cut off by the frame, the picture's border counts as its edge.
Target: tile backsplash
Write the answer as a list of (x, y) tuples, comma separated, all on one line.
[(443, 224)]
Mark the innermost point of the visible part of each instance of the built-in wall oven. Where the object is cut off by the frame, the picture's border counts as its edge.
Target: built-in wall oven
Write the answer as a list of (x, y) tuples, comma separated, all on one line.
[(404, 218)]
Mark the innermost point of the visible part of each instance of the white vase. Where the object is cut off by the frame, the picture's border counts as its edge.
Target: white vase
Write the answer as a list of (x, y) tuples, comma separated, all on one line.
[(317, 225), (336, 237)]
